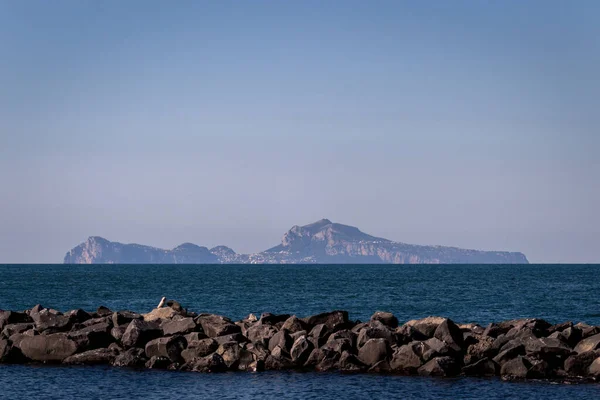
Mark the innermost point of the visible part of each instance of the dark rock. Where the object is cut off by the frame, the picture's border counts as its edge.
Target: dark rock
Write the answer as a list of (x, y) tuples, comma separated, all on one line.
[(199, 349), (236, 337), (272, 319), (406, 334), (334, 320), (301, 350), (516, 368), (77, 316), (559, 327), (249, 362), (540, 369), (281, 339), (261, 333), (51, 321), (158, 362), (276, 363), (124, 317), (376, 330), (216, 325), (12, 317), (449, 333), (93, 337), (91, 357), (12, 329), (210, 363), (578, 364), (4, 350), (373, 351), (319, 334), (588, 344), (594, 369), (386, 318), (298, 334), (174, 305), (483, 367), (440, 366), (169, 347), (231, 352), (382, 367), (482, 349), (103, 312), (509, 354), (329, 361), (95, 321), (131, 358), (194, 337), (349, 363), (438, 348), (178, 327), (139, 332), (259, 350), (117, 332), (494, 330), (294, 324), (48, 348), (549, 349), (345, 335), (406, 359)]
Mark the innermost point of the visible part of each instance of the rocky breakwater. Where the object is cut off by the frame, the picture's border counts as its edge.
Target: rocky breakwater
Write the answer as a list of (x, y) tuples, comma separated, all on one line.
[(172, 338)]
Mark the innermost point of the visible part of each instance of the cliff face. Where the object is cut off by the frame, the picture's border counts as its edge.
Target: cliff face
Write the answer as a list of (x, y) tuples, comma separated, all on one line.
[(321, 242)]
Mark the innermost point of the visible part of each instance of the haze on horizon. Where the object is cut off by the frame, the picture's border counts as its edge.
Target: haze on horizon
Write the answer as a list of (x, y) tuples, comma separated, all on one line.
[(465, 123)]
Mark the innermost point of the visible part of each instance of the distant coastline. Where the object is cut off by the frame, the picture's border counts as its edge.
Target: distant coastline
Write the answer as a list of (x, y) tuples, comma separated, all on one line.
[(322, 242)]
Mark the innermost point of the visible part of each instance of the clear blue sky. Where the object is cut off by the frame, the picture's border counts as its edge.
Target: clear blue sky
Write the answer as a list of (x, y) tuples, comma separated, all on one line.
[(464, 123)]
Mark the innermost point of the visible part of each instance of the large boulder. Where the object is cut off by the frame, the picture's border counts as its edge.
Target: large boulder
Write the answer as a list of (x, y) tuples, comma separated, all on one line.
[(139, 332), (215, 325), (376, 330), (210, 363), (48, 348), (78, 316), (407, 359), (301, 350), (12, 317), (169, 347), (334, 320), (440, 366), (179, 326), (163, 313), (51, 320), (124, 317), (578, 364), (199, 349), (91, 357), (516, 368), (425, 326), (386, 318), (449, 333), (231, 353), (482, 367), (509, 354), (93, 337), (294, 324), (350, 363), (261, 333), (273, 319), (281, 339), (594, 369), (319, 334), (4, 350), (12, 329), (588, 344), (373, 351), (131, 358)]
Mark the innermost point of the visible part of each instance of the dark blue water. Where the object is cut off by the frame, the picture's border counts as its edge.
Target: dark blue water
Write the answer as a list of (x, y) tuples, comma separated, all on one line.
[(464, 293)]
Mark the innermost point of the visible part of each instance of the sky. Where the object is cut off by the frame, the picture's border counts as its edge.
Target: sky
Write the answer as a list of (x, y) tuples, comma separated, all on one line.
[(466, 123)]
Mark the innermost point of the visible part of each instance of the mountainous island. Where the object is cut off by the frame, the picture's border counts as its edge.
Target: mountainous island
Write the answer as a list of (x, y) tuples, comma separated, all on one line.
[(322, 242)]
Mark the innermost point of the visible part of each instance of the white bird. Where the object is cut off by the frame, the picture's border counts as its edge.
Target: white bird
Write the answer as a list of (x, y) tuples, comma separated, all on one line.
[(162, 302)]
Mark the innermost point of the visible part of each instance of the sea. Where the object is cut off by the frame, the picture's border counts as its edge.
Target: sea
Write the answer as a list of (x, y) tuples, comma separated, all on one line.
[(465, 293)]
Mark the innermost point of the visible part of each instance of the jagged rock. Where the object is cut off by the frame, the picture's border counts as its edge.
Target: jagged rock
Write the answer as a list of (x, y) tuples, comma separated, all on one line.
[(194, 337), (559, 327), (571, 335), (549, 349), (376, 330), (319, 334), (4, 350), (103, 311), (494, 330), (178, 327), (93, 321), (261, 333), (199, 349), (117, 332), (158, 362), (48, 348), (516, 368), (91, 357), (169, 347), (540, 369), (329, 361), (12, 317), (230, 352), (426, 326), (259, 350), (93, 337), (386, 318), (273, 319), (406, 333), (51, 321), (175, 306), (236, 337), (382, 367), (249, 362), (77, 316), (481, 349), (12, 329), (349, 363), (483, 367), (509, 354), (281, 339), (440, 366), (124, 317), (578, 364), (131, 358), (334, 320), (276, 363), (436, 348), (216, 325), (373, 351), (406, 359), (139, 332), (449, 333), (298, 334), (301, 350), (344, 337), (588, 344), (294, 324)]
